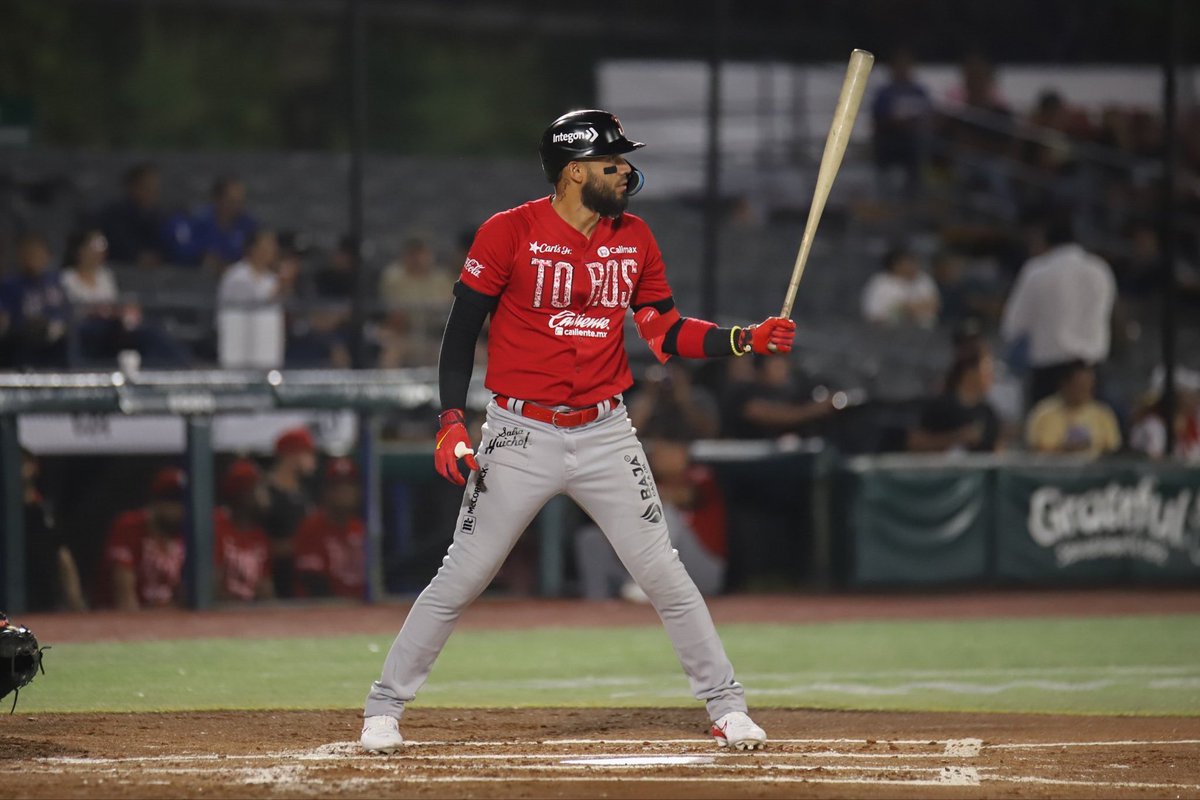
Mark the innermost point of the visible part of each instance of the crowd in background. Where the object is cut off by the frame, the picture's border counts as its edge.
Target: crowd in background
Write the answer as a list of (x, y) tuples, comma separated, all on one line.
[(1034, 293)]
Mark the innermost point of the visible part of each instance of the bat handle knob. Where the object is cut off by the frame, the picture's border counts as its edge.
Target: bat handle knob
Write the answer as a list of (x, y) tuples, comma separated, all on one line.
[(461, 450)]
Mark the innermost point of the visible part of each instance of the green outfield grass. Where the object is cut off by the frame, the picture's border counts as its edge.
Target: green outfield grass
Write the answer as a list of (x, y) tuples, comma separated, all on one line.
[(1126, 665)]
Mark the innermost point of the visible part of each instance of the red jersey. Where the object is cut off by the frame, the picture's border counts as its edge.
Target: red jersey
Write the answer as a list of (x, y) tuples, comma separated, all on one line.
[(242, 555), (156, 562), (333, 550), (558, 333)]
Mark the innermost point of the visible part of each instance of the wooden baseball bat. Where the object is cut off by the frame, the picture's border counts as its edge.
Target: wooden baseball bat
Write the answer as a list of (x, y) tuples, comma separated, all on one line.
[(853, 86)]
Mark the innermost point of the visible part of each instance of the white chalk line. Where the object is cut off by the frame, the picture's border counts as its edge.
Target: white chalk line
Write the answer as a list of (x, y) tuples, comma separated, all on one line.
[(339, 751), (1118, 743), (723, 764)]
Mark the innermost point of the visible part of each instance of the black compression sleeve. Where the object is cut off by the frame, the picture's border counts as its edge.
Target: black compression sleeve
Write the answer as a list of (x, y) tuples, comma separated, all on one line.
[(716, 341), (457, 359)]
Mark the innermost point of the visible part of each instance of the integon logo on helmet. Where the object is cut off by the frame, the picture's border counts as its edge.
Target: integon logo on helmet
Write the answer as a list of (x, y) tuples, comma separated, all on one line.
[(569, 137)]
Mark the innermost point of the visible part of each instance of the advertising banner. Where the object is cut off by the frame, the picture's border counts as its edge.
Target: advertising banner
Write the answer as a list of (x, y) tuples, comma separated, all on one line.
[(1097, 522), (919, 525)]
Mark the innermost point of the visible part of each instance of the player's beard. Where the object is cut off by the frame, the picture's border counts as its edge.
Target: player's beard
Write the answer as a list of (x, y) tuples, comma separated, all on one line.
[(603, 199)]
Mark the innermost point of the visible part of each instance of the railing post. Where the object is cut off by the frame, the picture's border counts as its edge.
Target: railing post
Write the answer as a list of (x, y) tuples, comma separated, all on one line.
[(12, 600), (198, 567)]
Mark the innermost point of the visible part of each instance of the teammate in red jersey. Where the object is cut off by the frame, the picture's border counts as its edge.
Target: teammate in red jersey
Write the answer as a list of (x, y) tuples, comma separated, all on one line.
[(558, 275), (329, 542), (144, 552), (242, 550)]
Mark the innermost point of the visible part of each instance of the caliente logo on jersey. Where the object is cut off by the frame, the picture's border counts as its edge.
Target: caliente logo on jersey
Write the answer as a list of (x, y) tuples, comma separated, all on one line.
[(571, 323)]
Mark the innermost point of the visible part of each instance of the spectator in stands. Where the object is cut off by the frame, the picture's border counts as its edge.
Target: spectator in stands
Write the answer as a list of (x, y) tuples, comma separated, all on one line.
[(1149, 432), (242, 554), (52, 577), (250, 316), (330, 560), (668, 404), (902, 294), (902, 113), (1139, 275), (417, 294), (961, 418), (34, 313), (1072, 420), (962, 296), (771, 404), (1060, 309), (336, 280), (105, 325), (144, 552), (288, 500), (221, 232), (693, 506), (320, 337), (134, 224)]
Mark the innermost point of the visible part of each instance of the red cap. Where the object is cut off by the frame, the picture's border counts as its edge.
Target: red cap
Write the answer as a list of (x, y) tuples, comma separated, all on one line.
[(295, 440), (169, 483), (340, 469), (242, 476)]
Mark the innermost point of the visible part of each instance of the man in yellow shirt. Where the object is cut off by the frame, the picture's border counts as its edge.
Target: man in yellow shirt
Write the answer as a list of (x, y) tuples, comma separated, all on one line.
[(1072, 420)]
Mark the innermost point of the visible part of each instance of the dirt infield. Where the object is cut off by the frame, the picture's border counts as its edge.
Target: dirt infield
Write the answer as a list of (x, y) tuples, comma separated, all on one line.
[(535, 753), (557, 752)]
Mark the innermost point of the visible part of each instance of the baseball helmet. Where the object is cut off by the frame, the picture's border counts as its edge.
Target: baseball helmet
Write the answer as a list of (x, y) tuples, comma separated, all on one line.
[(586, 134)]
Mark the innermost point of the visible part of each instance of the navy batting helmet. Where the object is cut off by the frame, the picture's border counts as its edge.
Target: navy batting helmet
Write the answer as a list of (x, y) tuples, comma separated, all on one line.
[(586, 134)]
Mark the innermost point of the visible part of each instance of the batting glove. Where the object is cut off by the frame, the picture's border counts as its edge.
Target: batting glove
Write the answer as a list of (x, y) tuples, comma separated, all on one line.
[(453, 443), (772, 336)]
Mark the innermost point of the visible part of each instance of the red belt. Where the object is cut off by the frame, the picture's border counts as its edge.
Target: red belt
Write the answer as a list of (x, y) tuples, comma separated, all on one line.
[(571, 418)]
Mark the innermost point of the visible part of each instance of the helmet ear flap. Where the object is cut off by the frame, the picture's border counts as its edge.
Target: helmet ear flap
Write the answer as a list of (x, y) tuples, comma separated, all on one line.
[(635, 182)]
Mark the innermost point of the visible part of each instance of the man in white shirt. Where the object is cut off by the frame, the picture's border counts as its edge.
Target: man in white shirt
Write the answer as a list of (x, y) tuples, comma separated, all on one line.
[(1061, 306), (250, 319), (901, 295)]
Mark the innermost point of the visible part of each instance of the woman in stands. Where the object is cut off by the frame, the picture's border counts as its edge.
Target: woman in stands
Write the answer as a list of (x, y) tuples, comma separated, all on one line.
[(106, 325)]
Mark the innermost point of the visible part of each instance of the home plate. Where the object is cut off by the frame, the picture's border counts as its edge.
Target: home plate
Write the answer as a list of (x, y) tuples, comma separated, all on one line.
[(639, 761)]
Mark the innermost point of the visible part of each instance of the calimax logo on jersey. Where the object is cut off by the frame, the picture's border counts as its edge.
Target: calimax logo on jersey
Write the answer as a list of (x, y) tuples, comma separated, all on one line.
[(568, 137), (570, 323), (616, 250), (541, 248)]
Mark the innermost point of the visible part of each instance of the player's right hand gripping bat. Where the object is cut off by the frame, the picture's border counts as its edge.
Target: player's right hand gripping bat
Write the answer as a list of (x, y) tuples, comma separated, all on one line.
[(857, 72)]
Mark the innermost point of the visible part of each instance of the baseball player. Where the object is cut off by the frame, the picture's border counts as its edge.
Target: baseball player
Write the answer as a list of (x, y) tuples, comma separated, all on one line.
[(557, 276)]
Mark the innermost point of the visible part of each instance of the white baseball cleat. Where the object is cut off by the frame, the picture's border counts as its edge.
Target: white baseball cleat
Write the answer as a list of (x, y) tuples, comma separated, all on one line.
[(738, 731), (381, 735)]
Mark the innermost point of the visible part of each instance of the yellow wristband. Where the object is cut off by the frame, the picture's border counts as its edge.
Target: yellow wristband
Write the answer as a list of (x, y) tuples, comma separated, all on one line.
[(737, 351)]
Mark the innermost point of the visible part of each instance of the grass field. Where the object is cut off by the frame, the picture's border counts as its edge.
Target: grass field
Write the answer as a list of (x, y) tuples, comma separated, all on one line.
[(1122, 665)]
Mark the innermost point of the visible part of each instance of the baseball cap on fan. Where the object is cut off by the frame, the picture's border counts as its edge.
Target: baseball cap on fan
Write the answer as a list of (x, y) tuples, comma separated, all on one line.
[(586, 134)]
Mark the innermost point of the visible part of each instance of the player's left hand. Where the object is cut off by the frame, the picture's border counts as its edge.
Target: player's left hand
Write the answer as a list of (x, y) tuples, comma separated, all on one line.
[(772, 336), (453, 443)]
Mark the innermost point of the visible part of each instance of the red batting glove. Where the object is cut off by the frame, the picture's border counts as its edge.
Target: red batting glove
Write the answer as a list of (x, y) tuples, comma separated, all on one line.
[(453, 443), (772, 336)]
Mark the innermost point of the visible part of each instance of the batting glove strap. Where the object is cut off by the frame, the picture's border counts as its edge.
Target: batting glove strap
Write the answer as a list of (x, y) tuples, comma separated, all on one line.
[(772, 336), (452, 437)]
